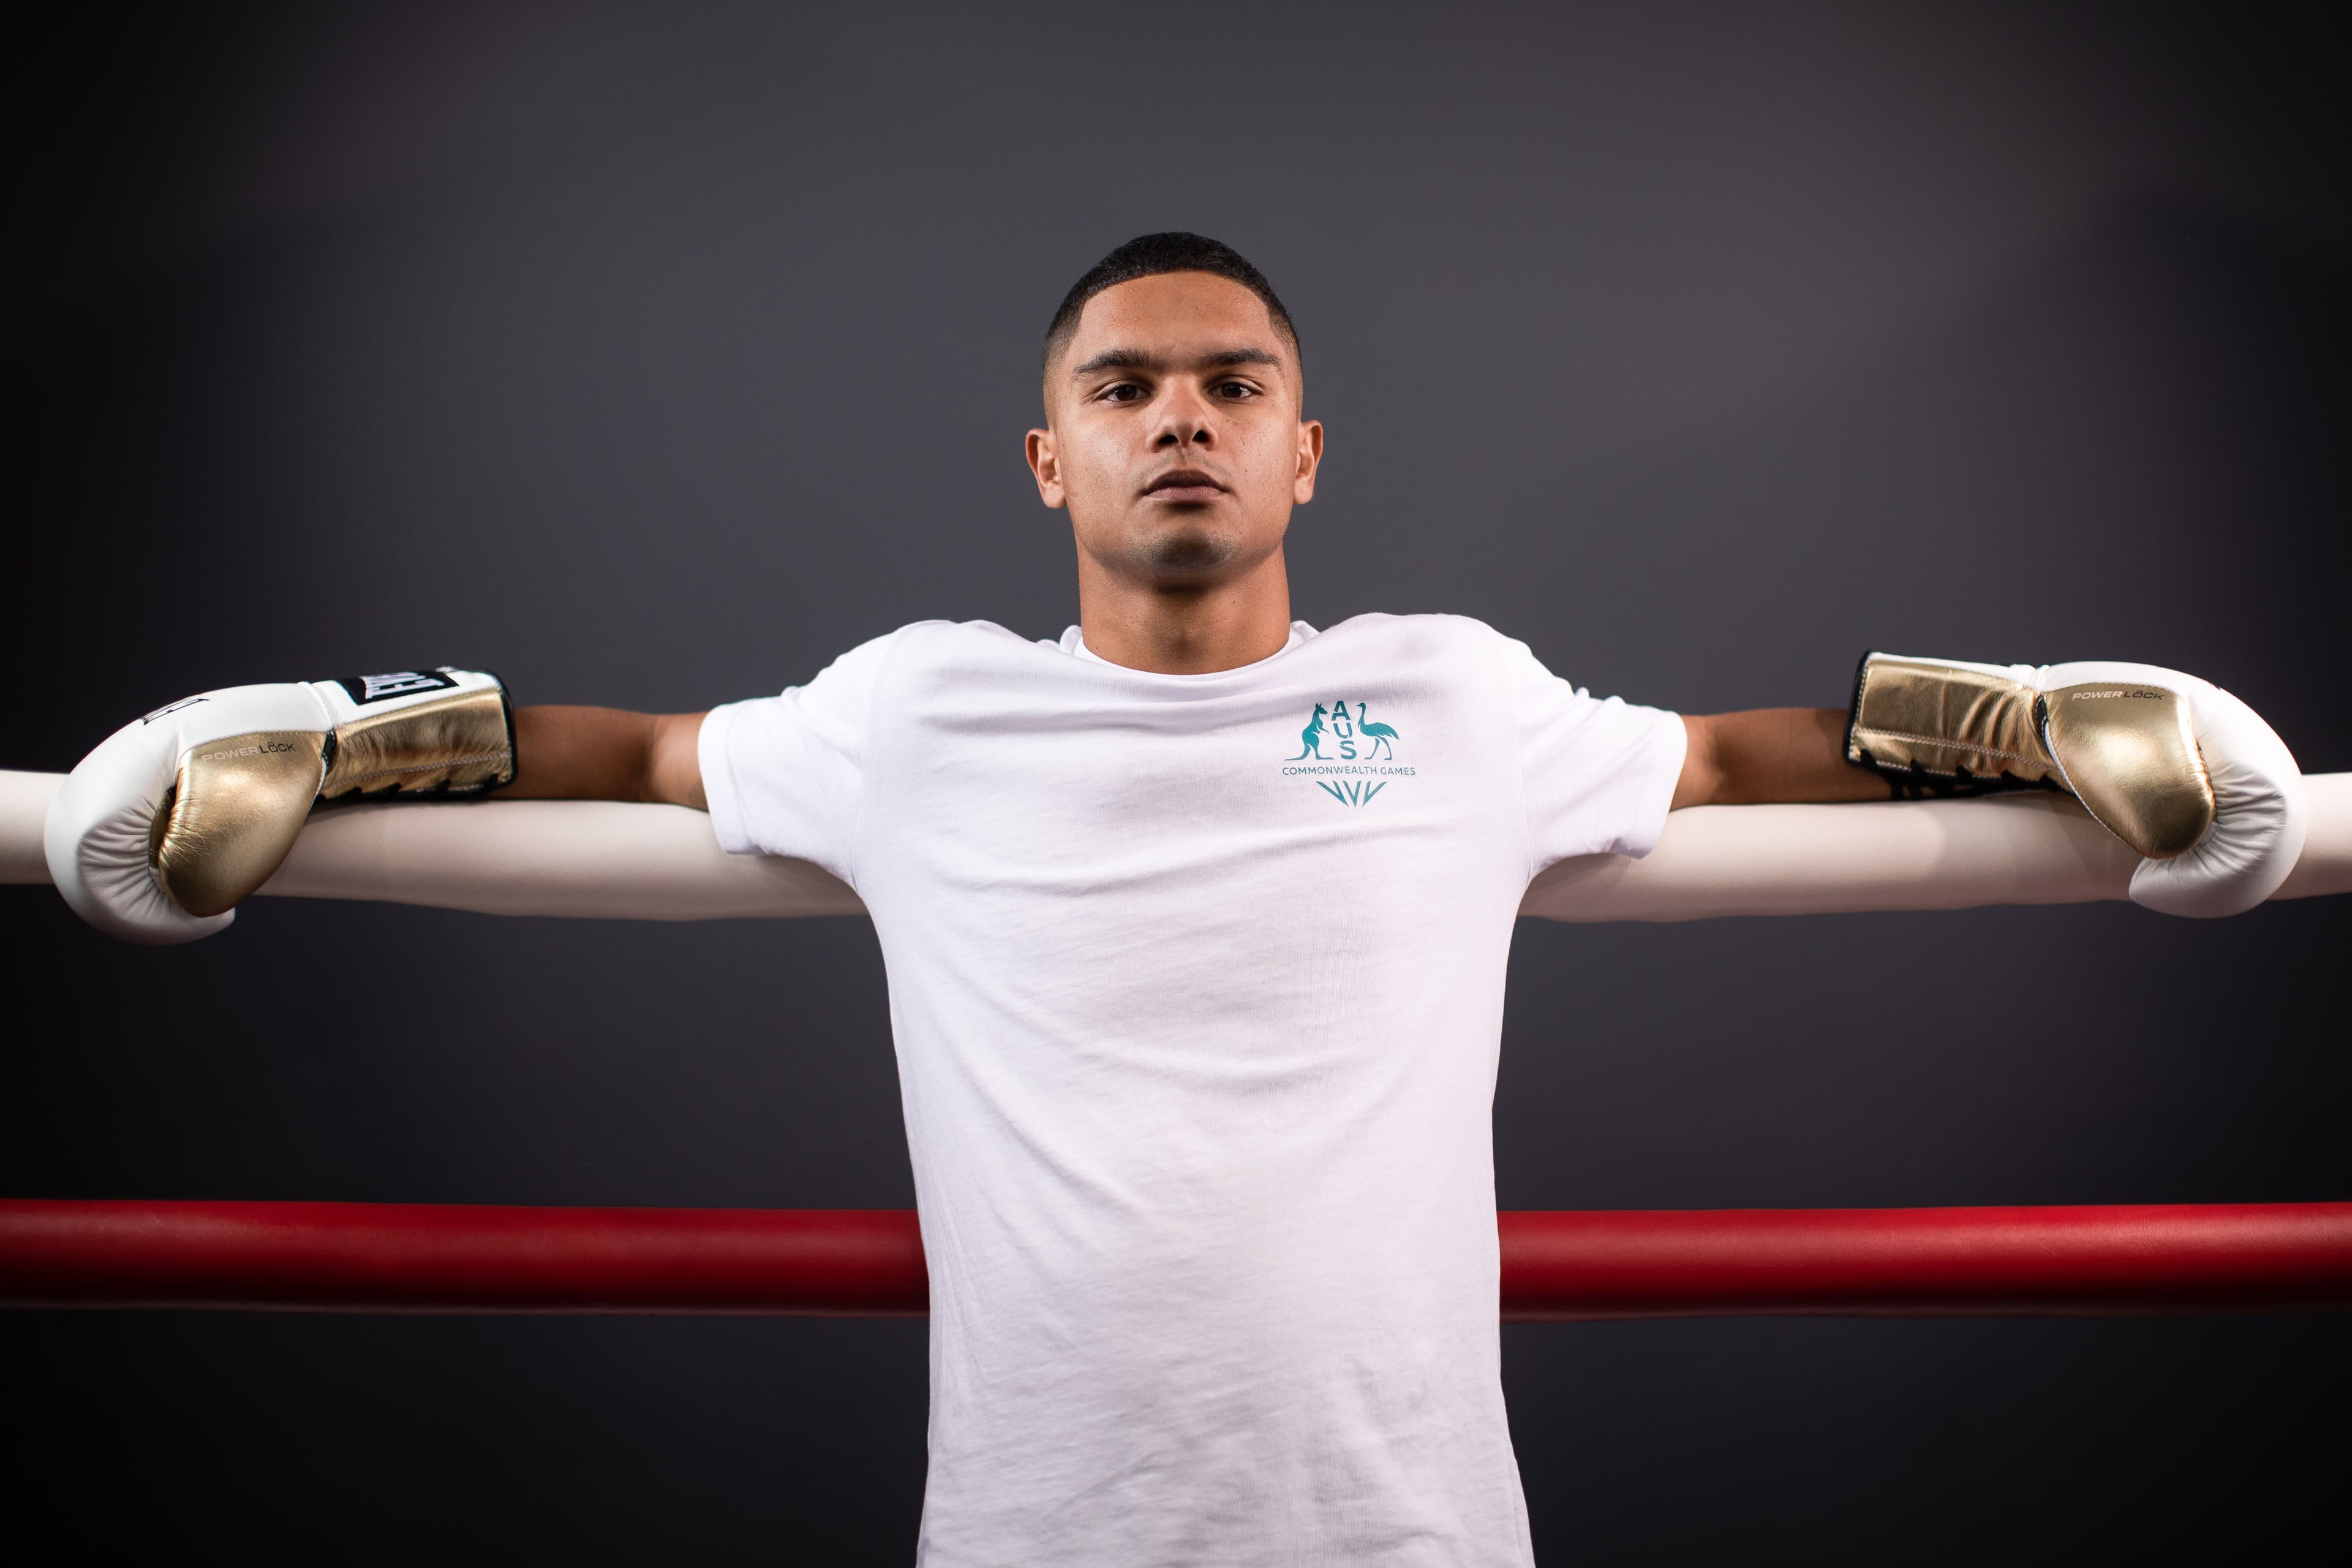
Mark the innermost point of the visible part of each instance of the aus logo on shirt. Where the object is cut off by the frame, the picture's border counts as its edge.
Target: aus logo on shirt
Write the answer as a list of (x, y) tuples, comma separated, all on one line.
[(1347, 753)]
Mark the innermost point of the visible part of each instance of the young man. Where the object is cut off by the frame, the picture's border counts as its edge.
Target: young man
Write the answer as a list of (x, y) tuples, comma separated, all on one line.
[(1196, 923)]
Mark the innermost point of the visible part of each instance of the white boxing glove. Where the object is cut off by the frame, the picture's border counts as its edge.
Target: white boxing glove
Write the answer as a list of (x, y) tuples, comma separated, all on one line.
[(177, 817), (2176, 767)]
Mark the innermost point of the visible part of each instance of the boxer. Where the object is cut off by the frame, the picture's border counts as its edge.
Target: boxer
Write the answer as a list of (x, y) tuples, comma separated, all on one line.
[(1196, 921)]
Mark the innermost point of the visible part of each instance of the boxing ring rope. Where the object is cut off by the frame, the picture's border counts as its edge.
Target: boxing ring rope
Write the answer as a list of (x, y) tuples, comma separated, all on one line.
[(1557, 1266), (615, 860)]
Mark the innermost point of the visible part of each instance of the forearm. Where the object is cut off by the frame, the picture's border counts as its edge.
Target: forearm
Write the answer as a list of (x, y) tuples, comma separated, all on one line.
[(607, 753), (1769, 754)]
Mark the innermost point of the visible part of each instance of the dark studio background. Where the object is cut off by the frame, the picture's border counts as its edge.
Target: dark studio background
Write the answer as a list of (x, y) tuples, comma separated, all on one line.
[(653, 356)]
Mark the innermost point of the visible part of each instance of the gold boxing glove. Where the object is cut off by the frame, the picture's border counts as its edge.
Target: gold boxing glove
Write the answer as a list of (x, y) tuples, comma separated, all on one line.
[(179, 817), (2185, 774)]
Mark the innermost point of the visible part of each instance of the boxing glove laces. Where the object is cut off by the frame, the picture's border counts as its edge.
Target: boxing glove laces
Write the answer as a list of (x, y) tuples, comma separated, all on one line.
[(178, 816), (2182, 772)]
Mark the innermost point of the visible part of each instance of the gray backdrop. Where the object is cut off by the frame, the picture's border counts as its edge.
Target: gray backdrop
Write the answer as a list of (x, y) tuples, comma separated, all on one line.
[(653, 355)]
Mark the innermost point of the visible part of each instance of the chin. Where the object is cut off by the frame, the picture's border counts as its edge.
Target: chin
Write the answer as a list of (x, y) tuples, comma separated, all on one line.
[(1189, 551), (1184, 544)]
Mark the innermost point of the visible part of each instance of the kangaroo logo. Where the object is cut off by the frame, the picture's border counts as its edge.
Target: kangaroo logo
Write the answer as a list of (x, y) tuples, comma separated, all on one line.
[(1362, 742), (1311, 738)]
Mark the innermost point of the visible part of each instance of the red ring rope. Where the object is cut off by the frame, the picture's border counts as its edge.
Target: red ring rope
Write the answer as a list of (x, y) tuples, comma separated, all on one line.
[(1557, 1266)]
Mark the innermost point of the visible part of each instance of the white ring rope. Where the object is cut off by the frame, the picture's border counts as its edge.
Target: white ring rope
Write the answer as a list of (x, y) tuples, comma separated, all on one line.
[(605, 859)]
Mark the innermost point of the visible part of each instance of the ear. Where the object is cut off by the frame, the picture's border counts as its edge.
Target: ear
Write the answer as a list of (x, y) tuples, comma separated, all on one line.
[(1045, 467), (1311, 458)]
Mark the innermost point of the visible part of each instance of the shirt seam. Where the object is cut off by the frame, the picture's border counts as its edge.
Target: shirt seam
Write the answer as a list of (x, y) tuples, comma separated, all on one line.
[(739, 821), (1528, 867), (1664, 780), (851, 858)]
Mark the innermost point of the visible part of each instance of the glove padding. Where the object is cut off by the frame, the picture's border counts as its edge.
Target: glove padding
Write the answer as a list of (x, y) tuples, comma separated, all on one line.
[(2185, 774), (177, 817)]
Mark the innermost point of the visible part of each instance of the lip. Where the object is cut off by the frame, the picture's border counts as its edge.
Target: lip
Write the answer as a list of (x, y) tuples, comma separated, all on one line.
[(1180, 485)]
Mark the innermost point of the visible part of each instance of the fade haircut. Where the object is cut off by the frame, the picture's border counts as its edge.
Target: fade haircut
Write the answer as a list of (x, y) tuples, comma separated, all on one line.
[(1149, 255)]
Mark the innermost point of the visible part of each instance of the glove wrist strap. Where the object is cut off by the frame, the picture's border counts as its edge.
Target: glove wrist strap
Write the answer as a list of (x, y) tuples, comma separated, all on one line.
[(1941, 726), (435, 732)]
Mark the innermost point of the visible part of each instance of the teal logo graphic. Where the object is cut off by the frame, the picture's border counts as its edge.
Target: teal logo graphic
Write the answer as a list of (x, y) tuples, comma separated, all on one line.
[(1348, 792), (1347, 753)]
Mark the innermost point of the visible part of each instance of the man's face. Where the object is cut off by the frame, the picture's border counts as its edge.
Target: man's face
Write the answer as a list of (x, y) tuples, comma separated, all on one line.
[(1173, 431)]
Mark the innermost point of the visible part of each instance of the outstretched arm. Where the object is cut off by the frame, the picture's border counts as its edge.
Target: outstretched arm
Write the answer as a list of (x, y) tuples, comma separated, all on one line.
[(607, 753), (1769, 754)]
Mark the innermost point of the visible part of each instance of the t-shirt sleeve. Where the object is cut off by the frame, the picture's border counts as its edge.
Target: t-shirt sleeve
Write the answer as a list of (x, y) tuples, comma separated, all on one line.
[(784, 773), (1600, 773)]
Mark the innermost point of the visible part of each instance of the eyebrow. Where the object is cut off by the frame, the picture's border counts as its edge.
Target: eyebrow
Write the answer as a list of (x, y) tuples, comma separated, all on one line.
[(1136, 359)]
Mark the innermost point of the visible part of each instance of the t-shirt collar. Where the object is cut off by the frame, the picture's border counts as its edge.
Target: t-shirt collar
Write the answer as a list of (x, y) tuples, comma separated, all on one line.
[(1074, 643)]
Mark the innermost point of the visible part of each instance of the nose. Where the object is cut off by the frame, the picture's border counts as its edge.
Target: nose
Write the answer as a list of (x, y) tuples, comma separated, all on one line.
[(1186, 421)]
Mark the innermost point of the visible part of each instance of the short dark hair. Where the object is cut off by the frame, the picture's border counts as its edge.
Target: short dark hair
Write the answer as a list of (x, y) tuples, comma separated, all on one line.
[(1149, 255)]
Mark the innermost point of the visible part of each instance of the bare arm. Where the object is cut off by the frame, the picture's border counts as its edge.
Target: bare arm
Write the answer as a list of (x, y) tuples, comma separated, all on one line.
[(1771, 754), (607, 753)]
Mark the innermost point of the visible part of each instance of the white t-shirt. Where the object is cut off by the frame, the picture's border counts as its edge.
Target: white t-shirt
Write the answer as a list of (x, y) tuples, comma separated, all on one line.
[(1197, 985)]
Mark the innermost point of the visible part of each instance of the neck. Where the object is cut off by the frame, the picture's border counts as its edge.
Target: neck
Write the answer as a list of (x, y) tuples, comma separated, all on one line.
[(1185, 628)]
